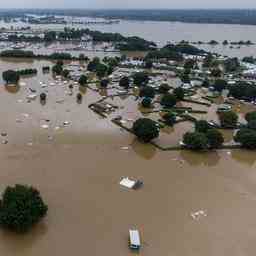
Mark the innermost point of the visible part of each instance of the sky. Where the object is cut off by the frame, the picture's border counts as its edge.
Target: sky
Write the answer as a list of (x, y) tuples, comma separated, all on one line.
[(124, 4)]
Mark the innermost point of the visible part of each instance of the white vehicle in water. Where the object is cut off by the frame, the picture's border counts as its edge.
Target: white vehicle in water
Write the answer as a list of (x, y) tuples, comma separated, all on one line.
[(134, 239)]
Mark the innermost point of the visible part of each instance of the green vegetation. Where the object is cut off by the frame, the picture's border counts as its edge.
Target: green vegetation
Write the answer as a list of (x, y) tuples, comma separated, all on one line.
[(124, 82), (11, 77), (246, 137), (243, 90), (164, 88), (21, 208), (169, 118), (220, 85), (202, 126), (43, 96), (57, 69), (179, 93), (228, 119), (215, 138), (104, 83), (195, 140), (147, 91), (140, 79), (83, 80), (145, 129), (146, 102), (250, 116), (168, 100)]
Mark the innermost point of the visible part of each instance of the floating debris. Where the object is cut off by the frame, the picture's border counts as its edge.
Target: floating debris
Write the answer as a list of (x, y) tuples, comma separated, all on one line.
[(50, 137), (132, 184), (31, 96), (30, 143), (57, 128), (60, 101), (45, 126), (66, 123), (125, 148), (18, 120), (199, 214), (4, 142), (3, 134), (25, 115)]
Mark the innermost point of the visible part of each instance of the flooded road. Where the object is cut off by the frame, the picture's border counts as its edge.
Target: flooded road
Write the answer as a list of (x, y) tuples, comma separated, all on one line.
[(78, 172)]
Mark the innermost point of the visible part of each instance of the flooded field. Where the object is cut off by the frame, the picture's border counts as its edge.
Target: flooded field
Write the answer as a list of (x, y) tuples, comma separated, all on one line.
[(78, 166)]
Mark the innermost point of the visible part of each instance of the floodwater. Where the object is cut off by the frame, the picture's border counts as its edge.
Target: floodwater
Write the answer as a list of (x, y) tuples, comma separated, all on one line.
[(163, 32), (78, 171)]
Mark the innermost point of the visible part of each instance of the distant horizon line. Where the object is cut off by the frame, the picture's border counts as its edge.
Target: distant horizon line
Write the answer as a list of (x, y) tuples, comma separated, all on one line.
[(117, 8)]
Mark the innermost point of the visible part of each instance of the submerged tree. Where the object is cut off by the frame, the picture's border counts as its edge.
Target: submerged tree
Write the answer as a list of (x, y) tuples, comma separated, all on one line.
[(21, 207), (11, 77), (145, 129)]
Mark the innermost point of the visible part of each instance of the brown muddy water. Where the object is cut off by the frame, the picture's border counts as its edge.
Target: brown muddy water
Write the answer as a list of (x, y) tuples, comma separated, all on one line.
[(78, 172)]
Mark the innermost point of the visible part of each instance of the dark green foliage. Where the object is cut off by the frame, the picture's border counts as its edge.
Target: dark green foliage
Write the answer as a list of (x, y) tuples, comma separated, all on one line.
[(140, 79), (202, 126), (169, 118), (135, 43), (164, 88), (50, 36), (168, 100), (104, 83), (101, 70), (146, 102), (250, 116), (124, 82), (243, 90), (79, 97), (220, 85), (148, 64), (185, 77), (17, 54), (145, 129), (252, 124), (82, 80), (216, 72), (228, 119), (246, 137), (179, 93), (215, 138), (195, 140), (57, 69), (28, 71), (43, 96), (11, 76), (46, 69), (231, 64), (93, 64), (189, 64), (21, 208), (65, 73), (147, 91), (225, 42), (206, 83), (249, 59), (207, 63)]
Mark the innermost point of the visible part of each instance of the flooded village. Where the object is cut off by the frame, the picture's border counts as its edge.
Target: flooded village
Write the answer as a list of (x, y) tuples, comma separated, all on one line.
[(122, 134)]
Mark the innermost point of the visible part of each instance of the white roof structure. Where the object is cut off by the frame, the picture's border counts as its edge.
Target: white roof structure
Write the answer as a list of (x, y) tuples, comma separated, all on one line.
[(126, 182)]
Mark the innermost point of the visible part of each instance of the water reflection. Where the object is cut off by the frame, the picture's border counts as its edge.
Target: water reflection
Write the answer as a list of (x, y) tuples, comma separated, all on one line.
[(146, 151), (12, 88), (22, 242), (200, 158), (244, 156)]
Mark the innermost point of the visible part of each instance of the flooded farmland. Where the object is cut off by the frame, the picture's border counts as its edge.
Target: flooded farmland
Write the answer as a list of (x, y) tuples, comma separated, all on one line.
[(78, 166)]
